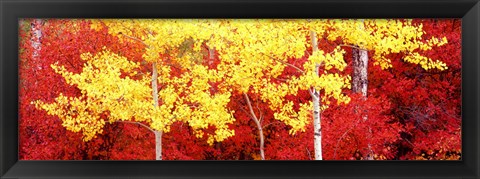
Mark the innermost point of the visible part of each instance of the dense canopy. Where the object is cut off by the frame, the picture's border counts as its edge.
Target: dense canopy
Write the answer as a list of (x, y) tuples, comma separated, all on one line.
[(226, 89)]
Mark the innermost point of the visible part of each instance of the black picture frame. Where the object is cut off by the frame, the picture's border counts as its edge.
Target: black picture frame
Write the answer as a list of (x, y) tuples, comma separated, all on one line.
[(12, 10)]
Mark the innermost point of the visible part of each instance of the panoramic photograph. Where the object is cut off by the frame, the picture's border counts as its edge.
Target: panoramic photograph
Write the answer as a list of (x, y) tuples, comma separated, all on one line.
[(240, 89)]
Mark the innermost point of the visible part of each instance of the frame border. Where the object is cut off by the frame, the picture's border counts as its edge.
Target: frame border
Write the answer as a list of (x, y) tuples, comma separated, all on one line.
[(12, 10)]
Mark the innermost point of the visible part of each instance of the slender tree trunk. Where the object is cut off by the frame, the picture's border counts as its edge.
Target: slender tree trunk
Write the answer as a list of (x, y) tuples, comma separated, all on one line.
[(317, 128), (211, 55), (158, 134), (259, 127), (360, 81), (36, 36), (262, 142), (158, 145)]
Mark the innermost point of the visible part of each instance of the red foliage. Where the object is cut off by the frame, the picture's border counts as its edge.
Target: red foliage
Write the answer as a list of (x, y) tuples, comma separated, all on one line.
[(364, 124), (42, 136), (427, 103), (409, 113)]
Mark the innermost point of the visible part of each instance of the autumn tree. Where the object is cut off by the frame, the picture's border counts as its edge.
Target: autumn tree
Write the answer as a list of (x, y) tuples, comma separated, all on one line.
[(107, 68), (383, 37), (266, 45), (427, 103), (62, 41), (112, 91), (286, 81)]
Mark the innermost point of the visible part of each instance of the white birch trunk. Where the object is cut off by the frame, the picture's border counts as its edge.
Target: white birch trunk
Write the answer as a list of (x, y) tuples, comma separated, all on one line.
[(158, 145), (262, 143), (259, 127), (36, 36), (317, 128), (158, 134)]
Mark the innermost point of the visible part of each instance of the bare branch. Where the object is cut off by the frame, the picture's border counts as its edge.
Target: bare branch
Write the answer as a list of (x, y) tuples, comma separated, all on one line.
[(251, 109), (309, 155), (259, 112), (343, 135), (259, 126), (276, 122), (311, 93), (138, 123), (136, 39), (285, 63), (352, 46)]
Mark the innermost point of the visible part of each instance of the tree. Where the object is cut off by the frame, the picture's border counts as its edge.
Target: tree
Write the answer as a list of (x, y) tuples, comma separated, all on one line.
[(111, 92), (428, 103), (98, 100), (383, 37), (246, 89), (62, 41), (268, 43)]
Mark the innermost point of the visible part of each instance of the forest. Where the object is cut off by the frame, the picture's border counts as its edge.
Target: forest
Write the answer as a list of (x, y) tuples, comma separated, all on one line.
[(240, 89)]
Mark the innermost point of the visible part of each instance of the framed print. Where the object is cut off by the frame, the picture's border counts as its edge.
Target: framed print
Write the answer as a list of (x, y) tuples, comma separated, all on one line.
[(247, 89)]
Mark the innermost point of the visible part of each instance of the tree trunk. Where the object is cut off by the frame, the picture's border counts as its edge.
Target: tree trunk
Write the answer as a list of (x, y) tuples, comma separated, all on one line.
[(158, 145), (317, 128), (158, 134), (211, 55), (36, 36), (360, 69), (262, 143), (259, 127), (360, 81)]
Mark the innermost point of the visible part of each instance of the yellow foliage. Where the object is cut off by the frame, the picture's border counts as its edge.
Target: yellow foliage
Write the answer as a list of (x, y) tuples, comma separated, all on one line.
[(124, 99), (386, 36), (253, 53)]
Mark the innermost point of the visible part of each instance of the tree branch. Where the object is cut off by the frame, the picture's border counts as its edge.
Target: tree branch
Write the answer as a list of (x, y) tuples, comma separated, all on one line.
[(138, 123), (311, 93), (309, 155), (259, 112), (355, 47), (136, 39), (285, 63), (259, 126), (343, 135), (276, 122), (251, 109)]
